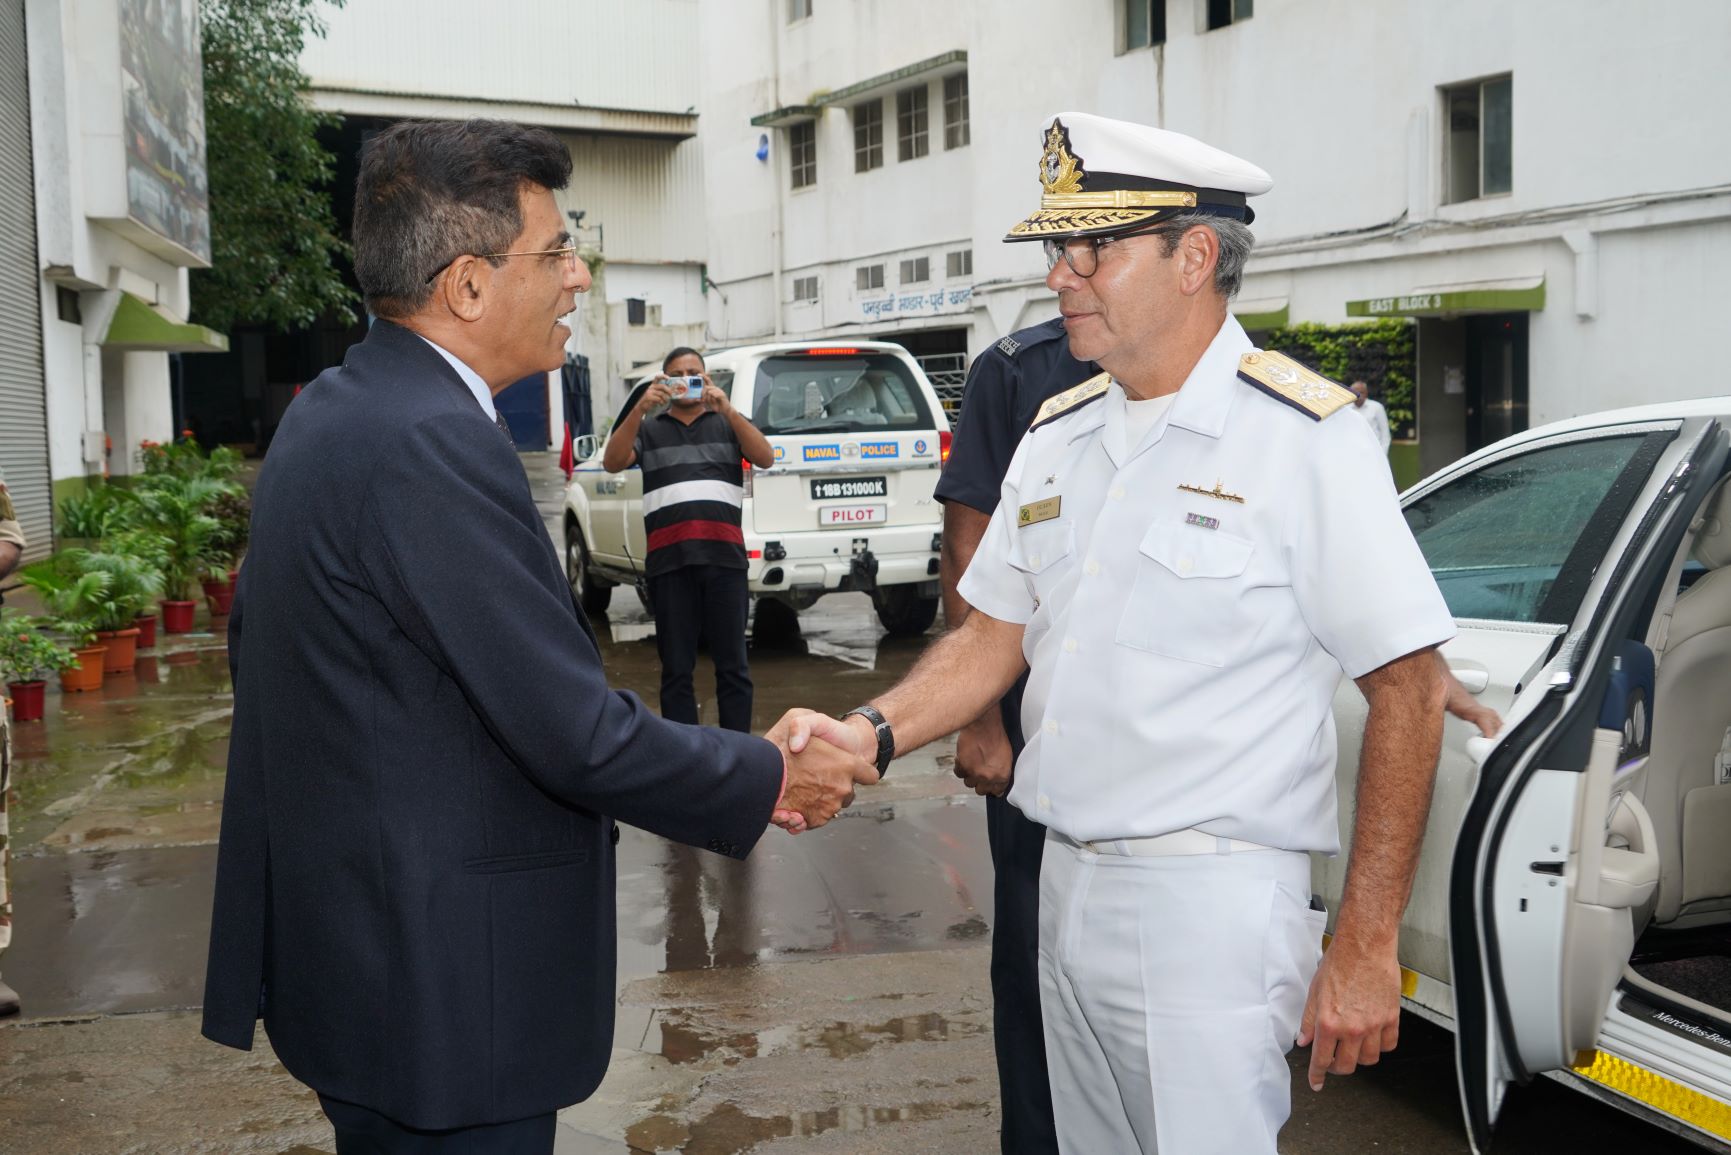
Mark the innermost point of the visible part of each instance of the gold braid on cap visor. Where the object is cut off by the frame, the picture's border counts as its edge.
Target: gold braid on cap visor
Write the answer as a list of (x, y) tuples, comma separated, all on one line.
[(1088, 211)]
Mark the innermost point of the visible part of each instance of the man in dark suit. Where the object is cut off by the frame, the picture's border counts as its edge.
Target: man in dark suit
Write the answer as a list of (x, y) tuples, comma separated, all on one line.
[(415, 886)]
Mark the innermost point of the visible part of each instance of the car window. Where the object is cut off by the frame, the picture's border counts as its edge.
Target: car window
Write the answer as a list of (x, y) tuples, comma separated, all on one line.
[(867, 393), (1518, 540)]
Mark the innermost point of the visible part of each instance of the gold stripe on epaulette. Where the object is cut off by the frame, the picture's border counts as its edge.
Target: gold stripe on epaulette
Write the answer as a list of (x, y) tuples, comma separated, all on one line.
[(1287, 381), (1072, 397)]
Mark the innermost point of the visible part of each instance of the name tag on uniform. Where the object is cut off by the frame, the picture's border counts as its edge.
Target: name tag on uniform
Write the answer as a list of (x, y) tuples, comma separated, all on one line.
[(1037, 511)]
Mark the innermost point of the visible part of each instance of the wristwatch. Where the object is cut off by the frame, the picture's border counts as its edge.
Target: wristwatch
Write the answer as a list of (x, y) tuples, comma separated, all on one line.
[(886, 737)]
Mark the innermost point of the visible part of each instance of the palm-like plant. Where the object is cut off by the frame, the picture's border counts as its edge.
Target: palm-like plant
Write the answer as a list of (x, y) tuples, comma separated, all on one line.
[(133, 585), (173, 509), (76, 602)]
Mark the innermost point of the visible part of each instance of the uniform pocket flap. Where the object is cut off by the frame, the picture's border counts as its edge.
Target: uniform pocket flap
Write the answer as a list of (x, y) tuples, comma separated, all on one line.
[(1193, 552), (1038, 547)]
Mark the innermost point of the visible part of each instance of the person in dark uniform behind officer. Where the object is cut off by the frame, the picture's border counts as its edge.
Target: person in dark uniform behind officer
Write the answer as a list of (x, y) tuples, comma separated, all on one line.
[(1006, 386)]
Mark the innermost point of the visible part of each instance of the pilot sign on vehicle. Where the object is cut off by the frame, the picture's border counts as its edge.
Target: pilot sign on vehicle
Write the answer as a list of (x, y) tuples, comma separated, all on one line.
[(833, 516)]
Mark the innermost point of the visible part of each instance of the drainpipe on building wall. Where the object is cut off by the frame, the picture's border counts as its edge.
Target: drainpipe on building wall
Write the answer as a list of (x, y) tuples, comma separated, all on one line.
[(782, 175)]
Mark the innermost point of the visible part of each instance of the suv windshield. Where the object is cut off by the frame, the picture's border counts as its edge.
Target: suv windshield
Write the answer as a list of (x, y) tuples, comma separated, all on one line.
[(872, 392)]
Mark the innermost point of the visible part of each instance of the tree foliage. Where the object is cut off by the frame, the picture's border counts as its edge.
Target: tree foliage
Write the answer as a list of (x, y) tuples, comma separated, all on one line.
[(1380, 353), (274, 239)]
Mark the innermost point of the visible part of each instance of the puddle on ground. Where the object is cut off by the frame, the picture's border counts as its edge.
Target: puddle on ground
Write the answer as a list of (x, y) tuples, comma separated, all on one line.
[(683, 1043), (727, 1130)]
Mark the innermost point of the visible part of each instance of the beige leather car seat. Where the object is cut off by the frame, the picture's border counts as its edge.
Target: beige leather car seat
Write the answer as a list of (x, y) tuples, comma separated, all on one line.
[(1687, 792)]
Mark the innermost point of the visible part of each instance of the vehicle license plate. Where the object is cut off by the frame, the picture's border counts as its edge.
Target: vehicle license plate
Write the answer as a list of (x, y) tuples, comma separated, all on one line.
[(830, 489), (835, 516)]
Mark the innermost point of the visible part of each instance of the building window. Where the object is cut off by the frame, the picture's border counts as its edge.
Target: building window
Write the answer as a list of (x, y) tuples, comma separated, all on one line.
[(798, 10), (1144, 23), (1479, 161), (66, 305), (802, 153), (916, 271), (636, 311), (805, 289), (1224, 12), (868, 277), (911, 139), (868, 136), (959, 263), (956, 110)]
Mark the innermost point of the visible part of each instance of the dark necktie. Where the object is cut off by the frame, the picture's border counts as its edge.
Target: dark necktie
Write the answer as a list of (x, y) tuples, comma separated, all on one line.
[(499, 419)]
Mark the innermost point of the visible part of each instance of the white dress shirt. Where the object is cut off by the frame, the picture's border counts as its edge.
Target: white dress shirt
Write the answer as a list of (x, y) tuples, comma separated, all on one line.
[(1377, 417), (1185, 647), (470, 378)]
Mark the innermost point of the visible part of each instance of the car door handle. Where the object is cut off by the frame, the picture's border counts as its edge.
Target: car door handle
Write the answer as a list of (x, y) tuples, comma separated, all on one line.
[(1474, 678)]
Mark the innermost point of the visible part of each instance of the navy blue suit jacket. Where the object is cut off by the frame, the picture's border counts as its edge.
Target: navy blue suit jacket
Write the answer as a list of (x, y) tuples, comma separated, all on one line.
[(415, 884)]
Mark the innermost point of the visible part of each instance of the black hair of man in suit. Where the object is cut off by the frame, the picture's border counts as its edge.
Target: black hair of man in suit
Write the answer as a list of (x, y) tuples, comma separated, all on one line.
[(430, 192)]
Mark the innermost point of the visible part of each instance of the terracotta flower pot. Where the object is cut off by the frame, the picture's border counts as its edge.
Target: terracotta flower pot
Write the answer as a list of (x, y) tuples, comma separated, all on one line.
[(27, 700), (87, 674), (220, 595), (146, 624), (177, 617), (122, 649)]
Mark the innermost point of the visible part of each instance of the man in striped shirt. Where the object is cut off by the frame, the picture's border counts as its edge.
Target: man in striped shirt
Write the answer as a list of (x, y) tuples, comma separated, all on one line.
[(693, 484)]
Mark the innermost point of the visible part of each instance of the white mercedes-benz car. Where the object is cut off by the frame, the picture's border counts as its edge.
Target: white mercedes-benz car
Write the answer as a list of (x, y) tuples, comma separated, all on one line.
[(859, 437), (1572, 911)]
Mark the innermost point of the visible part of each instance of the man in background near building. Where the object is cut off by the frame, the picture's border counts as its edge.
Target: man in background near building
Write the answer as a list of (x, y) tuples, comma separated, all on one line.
[(1373, 412), (11, 552), (1006, 386), (693, 486)]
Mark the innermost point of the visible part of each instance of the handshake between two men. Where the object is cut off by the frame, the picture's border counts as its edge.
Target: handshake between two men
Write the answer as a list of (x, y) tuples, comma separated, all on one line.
[(825, 760)]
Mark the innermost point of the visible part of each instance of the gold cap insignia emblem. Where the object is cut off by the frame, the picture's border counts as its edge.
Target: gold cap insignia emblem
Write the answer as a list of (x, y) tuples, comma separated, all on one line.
[(1061, 171)]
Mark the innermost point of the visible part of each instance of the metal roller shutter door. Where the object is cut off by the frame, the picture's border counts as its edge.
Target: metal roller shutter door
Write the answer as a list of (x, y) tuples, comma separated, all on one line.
[(23, 407)]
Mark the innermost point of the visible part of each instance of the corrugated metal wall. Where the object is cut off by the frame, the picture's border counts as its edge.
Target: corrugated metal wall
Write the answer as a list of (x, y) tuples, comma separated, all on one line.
[(647, 195), (23, 405), (640, 54)]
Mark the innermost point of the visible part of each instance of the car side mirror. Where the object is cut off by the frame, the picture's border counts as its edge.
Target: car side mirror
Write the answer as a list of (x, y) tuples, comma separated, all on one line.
[(585, 447)]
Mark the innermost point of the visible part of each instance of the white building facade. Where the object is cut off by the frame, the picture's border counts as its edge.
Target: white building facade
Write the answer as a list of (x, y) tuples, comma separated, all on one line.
[(617, 82), (106, 211), (1537, 187)]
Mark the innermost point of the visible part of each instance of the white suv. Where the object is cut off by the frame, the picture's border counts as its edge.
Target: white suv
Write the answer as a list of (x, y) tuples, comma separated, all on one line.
[(859, 438)]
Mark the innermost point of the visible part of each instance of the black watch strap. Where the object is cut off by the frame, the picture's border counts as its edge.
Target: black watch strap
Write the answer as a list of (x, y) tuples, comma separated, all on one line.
[(886, 736)]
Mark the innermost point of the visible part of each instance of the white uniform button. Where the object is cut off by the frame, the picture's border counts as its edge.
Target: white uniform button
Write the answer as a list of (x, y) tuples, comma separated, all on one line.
[(1051, 726), (1034, 560), (1045, 803), (1116, 493), (1185, 565), (1069, 645), (1092, 568)]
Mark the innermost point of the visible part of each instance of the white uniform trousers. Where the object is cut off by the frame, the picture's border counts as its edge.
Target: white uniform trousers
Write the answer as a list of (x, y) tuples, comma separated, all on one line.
[(1172, 989)]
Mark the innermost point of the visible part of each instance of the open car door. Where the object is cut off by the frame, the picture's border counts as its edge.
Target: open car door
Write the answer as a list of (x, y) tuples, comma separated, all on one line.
[(1554, 853)]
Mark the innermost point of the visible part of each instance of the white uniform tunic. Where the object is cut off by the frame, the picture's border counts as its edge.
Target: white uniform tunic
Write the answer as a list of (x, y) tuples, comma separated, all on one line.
[(1184, 647)]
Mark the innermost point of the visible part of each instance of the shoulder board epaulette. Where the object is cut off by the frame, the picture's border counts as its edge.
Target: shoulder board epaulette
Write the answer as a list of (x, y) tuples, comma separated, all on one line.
[(1029, 337), (1288, 382), (1072, 398), (1009, 345)]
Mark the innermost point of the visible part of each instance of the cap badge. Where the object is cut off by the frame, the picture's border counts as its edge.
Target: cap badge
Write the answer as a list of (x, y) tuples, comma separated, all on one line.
[(1061, 171)]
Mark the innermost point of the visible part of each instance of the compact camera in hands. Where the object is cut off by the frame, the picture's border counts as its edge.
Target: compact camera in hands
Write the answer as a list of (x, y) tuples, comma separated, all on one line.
[(685, 388)]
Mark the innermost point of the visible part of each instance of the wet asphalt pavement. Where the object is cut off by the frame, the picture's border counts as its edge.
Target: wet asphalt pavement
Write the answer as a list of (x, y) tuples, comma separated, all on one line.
[(827, 995)]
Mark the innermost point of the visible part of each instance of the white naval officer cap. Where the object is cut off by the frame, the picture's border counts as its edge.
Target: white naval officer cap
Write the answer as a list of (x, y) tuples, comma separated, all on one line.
[(1099, 176)]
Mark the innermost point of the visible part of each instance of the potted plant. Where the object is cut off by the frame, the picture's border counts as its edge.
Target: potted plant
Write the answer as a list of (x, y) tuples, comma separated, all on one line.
[(151, 549), (89, 519), (27, 657), (75, 603), (133, 584), (172, 508), (233, 512)]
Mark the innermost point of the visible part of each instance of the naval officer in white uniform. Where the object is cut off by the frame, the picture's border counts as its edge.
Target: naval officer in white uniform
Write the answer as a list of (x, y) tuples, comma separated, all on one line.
[(1190, 551)]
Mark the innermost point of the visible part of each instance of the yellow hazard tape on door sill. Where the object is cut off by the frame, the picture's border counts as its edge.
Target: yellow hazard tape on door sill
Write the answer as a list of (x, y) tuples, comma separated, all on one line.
[(1680, 1102)]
